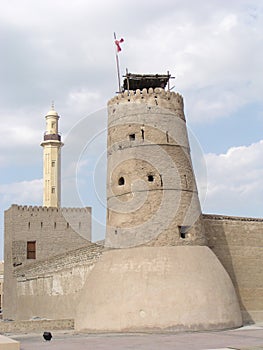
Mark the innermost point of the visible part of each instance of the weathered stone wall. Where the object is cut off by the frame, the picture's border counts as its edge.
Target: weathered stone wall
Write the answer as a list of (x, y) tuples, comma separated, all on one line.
[(51, 229), (151, 189), (238, 244), (35, 326), (1, 284), (50, 288)]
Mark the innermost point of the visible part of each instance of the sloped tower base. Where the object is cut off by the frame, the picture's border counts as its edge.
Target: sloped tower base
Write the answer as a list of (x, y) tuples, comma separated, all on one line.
[(158, 288)]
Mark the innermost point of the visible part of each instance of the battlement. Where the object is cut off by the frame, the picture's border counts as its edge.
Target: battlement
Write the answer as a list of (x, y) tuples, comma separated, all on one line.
[(31, 208), (230, 218), (151, 95)]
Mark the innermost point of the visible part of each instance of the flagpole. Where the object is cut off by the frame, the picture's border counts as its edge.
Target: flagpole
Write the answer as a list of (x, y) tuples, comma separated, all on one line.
[(118, 66)]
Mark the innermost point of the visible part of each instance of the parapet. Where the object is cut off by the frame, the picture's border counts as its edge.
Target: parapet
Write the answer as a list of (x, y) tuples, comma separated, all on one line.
[(31, 208), (230, 218), (155, 96)]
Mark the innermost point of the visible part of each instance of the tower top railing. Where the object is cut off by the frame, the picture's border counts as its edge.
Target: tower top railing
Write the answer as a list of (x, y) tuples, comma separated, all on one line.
[(56, 137), (145, 81)]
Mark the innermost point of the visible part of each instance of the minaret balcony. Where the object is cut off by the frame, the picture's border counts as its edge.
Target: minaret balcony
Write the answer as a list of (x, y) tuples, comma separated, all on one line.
[(56, 137)]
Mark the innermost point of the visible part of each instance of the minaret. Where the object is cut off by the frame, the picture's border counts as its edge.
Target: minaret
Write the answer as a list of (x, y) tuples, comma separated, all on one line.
[(51, 161)]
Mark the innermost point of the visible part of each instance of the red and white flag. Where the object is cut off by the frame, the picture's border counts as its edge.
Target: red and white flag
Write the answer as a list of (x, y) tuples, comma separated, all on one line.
[(117, 43)]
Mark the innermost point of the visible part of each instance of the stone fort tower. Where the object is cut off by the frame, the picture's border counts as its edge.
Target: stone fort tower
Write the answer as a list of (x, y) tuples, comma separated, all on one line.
[(151, 190), (160, 274)]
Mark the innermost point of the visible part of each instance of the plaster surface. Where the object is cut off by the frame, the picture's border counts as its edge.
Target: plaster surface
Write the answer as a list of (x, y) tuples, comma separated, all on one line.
[(158, 288)]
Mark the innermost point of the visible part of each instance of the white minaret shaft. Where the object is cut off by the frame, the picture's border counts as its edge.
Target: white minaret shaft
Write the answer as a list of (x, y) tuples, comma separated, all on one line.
[(51, 161)]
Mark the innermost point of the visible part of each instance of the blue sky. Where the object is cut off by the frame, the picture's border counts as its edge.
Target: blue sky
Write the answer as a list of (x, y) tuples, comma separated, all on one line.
[(63, 51)]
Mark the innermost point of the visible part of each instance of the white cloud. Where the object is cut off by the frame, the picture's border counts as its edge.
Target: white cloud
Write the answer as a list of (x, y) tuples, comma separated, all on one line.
[(24, 192), (84, 101), (235, 181)]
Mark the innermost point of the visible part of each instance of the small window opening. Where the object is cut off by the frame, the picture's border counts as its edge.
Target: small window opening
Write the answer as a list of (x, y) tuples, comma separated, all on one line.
[(183, 230), (186, 182), (121, 181), (67, 225), (53, 189), (31, 250), (41, 224), (161, 180), (29, 225), (142, 131), (116, 232), (53, 163), (132, 137), (150, 178), (167, 137), (55, 224)]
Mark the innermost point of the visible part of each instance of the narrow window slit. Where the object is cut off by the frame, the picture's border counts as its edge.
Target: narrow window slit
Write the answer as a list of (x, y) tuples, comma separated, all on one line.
[(167, 136), (142, 131), (161, 180)]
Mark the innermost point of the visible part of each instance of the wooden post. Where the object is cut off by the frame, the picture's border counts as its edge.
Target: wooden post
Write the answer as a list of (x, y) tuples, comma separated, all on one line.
[(128, 83), (168, 80)]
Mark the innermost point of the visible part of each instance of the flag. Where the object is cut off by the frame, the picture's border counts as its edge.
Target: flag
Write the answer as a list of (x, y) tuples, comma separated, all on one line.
[(117, 43)]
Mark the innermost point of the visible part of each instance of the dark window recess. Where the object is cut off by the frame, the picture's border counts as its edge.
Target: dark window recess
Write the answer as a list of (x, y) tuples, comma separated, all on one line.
[(116, 232), (41, 224), (167, 137), (161, 180), (186, 182), (31, 250), (142, 131), (55, 224), (121, 181), (29, 225), (150, 178), (183, 230), (67, 225), (132, 137)]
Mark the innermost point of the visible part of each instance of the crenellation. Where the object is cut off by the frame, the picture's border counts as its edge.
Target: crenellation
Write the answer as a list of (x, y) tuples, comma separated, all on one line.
[(231, 218), (35, 208), (175, 99)]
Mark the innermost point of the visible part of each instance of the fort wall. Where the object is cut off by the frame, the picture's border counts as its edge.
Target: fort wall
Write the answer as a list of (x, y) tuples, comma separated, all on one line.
[(238, 244), (50, 288), (49, 231)]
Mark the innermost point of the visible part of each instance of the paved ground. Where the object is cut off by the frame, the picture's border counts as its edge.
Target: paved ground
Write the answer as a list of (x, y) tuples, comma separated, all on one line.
[(250, 337)]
